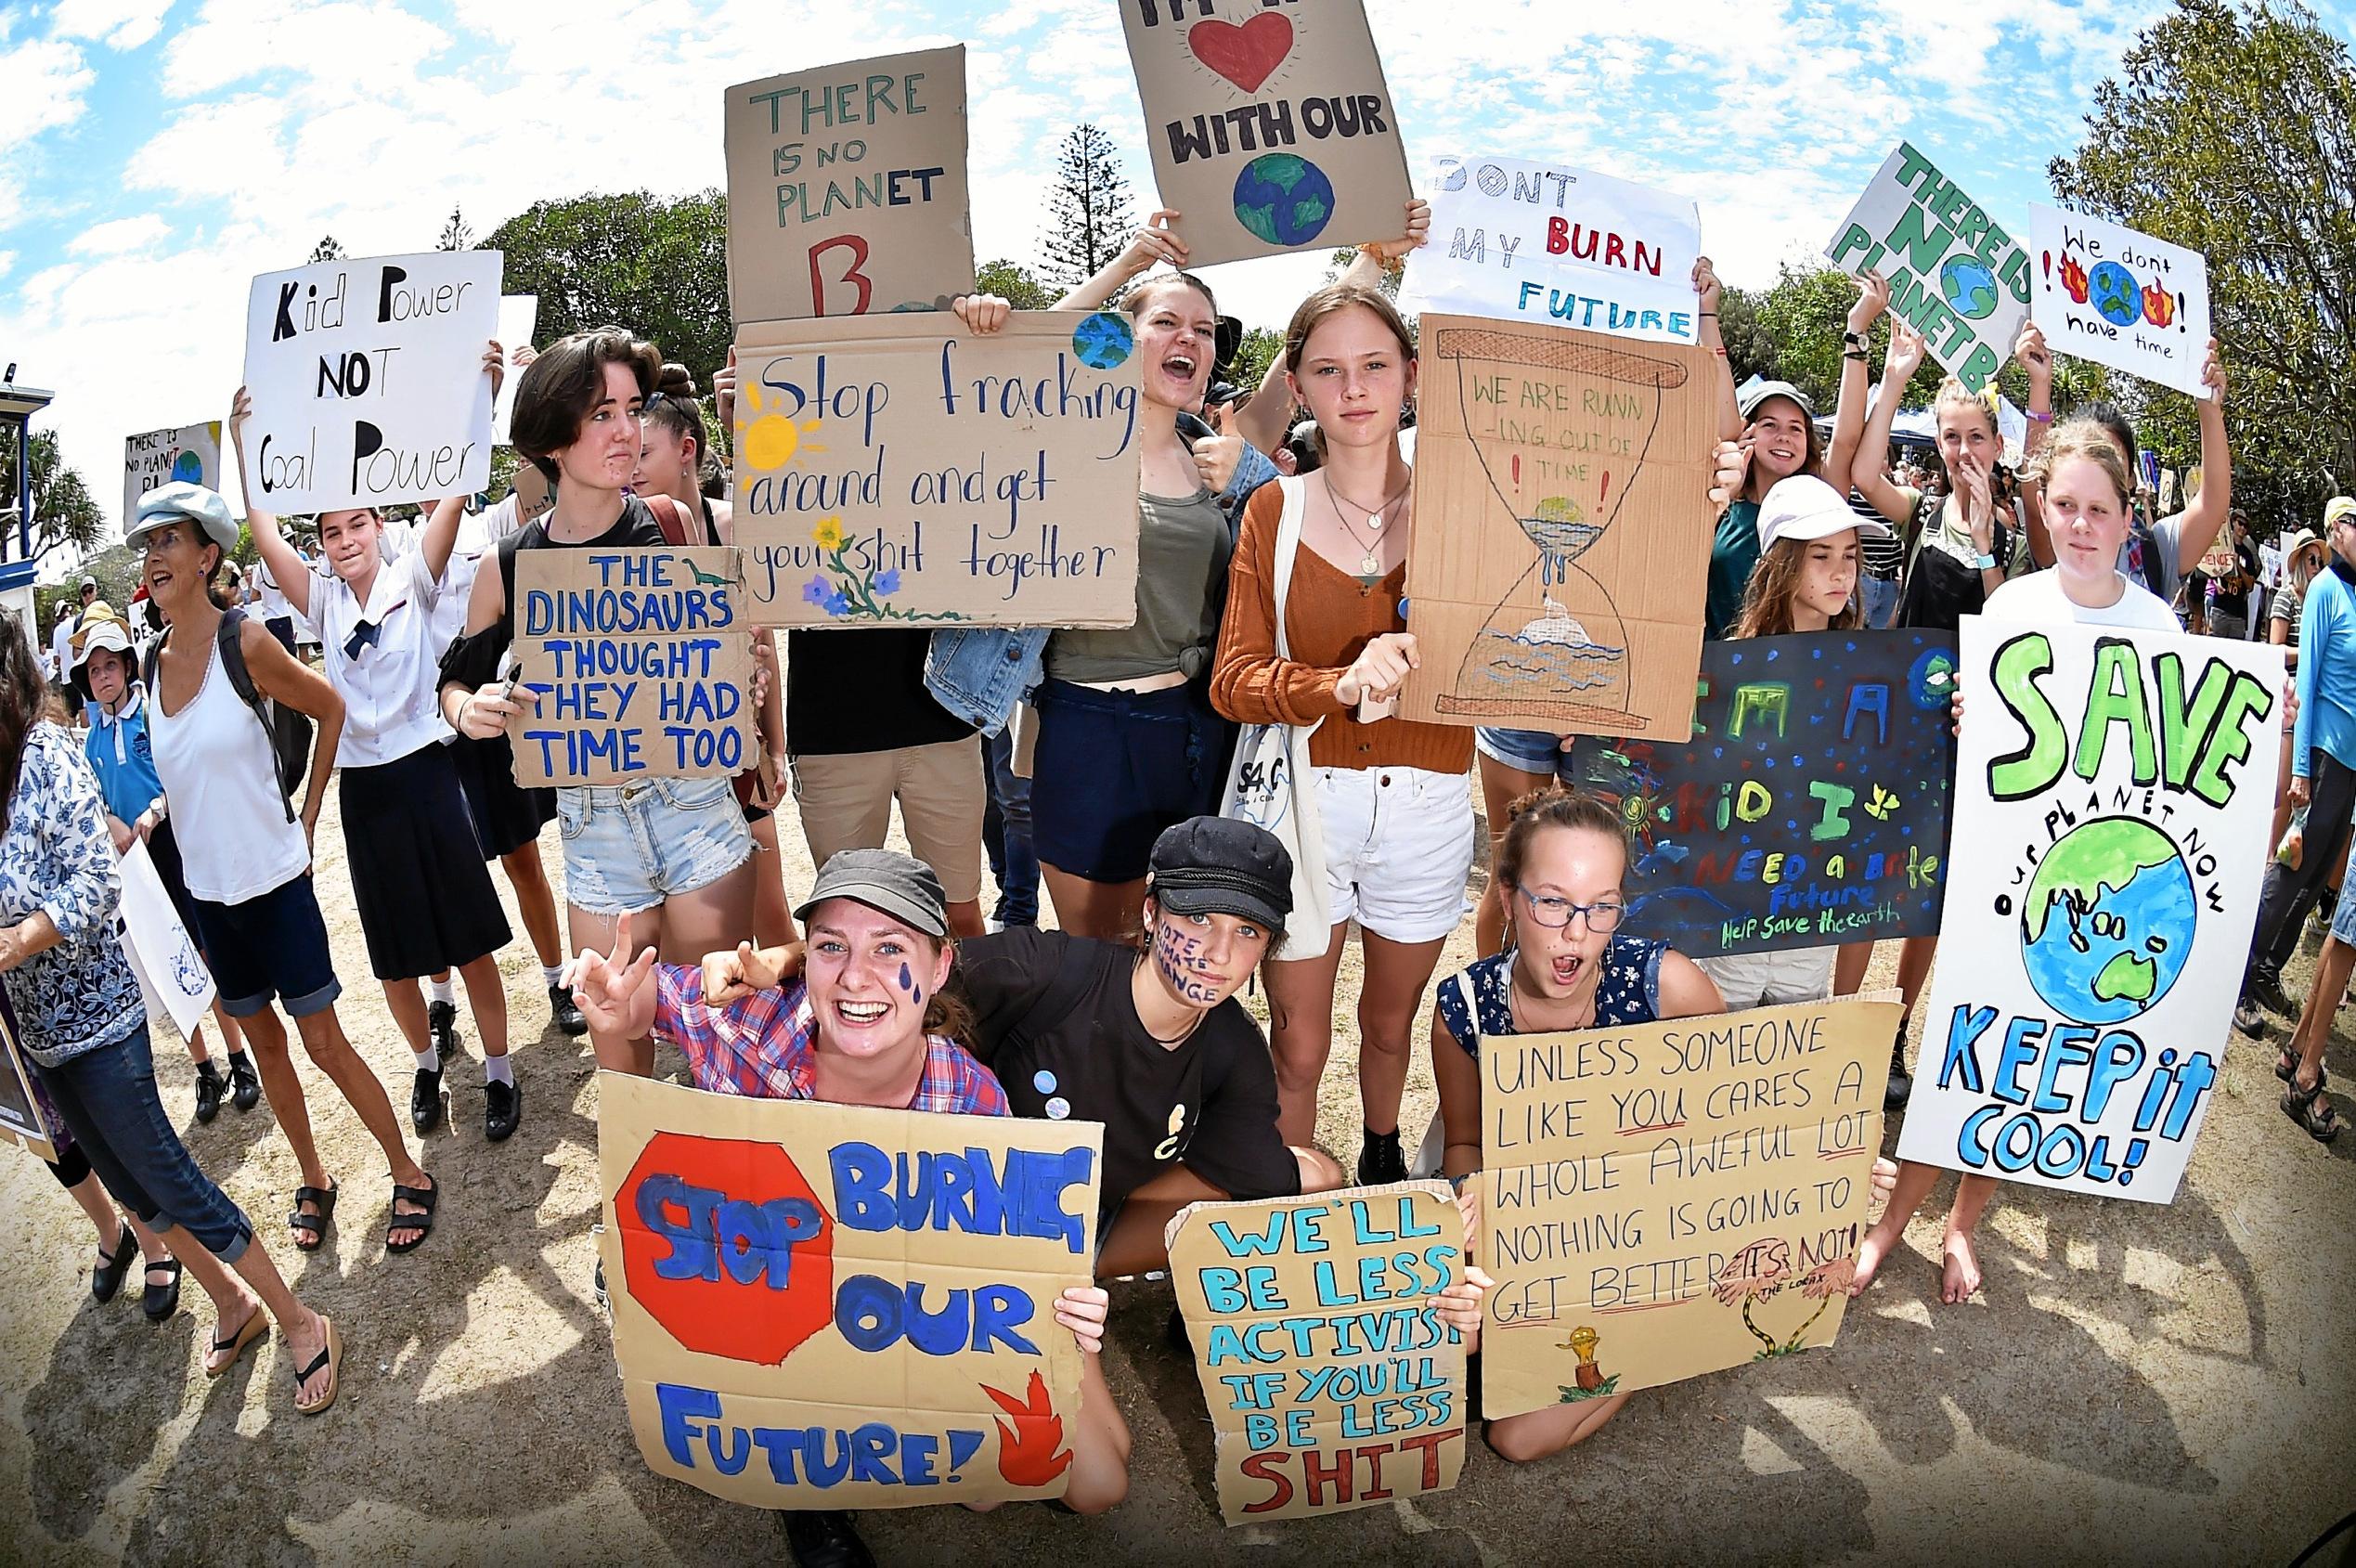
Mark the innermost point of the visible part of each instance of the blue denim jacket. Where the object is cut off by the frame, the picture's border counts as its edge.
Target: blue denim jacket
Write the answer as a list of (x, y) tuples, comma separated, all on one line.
[(979, 673)]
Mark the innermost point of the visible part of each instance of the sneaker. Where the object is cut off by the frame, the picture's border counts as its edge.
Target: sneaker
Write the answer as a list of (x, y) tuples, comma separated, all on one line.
[(567, 1016), (502, 1110), (597, 1279), (441, 1027), (2248, 1019), (2326, 904), (425, 1101), (2266, 988), (1381, 1160), (245, 1084), (210, 1087), (825, 1539), (1901, 1086)]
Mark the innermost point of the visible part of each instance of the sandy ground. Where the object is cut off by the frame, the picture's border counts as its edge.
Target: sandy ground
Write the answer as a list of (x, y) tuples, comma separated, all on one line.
[(2133, 1384)]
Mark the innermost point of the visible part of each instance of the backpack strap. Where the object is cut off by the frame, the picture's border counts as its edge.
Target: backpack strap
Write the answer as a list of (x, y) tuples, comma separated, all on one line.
[(230, 640), (670, 517), (1073, 976)]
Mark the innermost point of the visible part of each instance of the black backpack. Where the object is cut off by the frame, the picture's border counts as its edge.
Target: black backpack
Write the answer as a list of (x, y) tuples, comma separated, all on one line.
[(290, 730)]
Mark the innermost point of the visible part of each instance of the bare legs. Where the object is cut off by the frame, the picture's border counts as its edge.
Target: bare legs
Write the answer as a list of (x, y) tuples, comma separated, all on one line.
[(1300, 1034), (1962, 1276), (535, 901), (772, 916), (1109, 911)]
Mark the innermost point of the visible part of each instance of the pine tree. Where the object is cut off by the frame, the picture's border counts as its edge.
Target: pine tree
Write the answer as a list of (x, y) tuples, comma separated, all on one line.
[(1089, 216), (327, 250), (456, 235)]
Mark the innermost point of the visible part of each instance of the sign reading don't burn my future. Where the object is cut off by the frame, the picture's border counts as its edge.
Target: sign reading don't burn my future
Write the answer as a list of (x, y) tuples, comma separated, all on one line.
[(368, 381)]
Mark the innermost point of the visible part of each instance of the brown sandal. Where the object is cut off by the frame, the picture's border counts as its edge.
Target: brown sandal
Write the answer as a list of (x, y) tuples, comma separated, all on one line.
[(330, 1357), (2301, 1105)]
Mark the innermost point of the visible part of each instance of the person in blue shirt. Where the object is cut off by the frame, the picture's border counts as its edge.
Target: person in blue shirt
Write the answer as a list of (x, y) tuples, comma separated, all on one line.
[(105, 677)]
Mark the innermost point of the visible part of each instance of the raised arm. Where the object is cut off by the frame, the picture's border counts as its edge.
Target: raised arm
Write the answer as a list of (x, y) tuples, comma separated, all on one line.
[(1709, 292), (1157, 242), (1848, 415), (2207, 513), (293, 578), (1869, 469)]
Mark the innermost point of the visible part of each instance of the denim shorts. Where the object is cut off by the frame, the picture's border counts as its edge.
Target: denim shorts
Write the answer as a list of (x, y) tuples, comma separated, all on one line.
[(1881, 597), (629, 846), (108, 1099), (275, 945), (1527, 751)]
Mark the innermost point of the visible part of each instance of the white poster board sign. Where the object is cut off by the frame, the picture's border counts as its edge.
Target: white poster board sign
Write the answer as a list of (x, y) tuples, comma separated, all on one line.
[(1523, 240), (368, 381), (2115, 788), (519, 315), (172, 973), (2107, 293)]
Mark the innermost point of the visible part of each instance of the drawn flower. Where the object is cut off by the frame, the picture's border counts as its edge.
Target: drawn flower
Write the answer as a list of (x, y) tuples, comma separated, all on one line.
[(1880, 803), (817, 590), (828, 531), (836, 604), (887, 581)]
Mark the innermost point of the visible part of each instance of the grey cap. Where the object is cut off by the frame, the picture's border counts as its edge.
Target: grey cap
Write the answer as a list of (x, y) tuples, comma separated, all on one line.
[(900, 886), (181, 502), (1754, 395), (1221, 865)]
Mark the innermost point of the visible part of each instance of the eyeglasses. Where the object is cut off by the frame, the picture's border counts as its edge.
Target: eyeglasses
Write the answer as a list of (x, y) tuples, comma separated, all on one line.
[(1603, 917)]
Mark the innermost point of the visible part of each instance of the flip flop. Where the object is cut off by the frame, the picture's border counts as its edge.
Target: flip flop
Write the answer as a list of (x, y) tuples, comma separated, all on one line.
[(257, 1322), (333, 1359)]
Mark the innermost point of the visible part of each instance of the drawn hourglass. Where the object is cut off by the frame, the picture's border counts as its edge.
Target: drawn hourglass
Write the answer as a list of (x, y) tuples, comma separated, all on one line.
[(1571, 660)]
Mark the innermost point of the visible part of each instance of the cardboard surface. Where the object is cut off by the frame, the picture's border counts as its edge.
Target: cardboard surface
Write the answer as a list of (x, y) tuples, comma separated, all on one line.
[(1662, 1201), (1272, 129), (519, 317), (642, 662), (1810, 805), (1331, 1378), (846, 188), (1563, 529), (2107, 293), (898, 469), (786, 1343), (1520, 239), (190, 452), (2115, 788), (368, 381), (19, 1120), (172, 973), (1955, 274)]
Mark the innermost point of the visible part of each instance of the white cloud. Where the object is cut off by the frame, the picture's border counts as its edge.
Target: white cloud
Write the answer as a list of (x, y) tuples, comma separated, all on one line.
[(118, 24), (358, 49), (41, 81), (119, 235)]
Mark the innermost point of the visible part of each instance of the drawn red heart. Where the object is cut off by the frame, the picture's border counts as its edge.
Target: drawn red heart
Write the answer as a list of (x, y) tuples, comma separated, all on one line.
[(1246, 55)]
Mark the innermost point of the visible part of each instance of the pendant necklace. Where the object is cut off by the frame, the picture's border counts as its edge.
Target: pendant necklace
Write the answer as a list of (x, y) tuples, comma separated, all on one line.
[(1369, 564)]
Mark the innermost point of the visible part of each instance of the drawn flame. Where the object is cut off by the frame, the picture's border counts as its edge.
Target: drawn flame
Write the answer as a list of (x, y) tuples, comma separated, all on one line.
[(2073, 278), (1031, 1452), (2159, 305)]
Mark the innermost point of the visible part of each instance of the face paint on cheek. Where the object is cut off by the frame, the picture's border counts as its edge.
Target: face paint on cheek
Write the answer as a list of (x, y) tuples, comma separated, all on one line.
[(1174, 956), (908, 983)]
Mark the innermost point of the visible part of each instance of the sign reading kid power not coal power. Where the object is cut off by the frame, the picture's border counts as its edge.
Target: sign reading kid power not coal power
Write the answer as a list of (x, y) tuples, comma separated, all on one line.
[(368, 381), (2114, 789), (820, 1307), (1271, 127), (898, 469), (1955, 275)]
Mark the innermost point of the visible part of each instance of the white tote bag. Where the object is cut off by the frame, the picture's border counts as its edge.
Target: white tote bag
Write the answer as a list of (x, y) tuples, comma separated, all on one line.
[(1268, 784)]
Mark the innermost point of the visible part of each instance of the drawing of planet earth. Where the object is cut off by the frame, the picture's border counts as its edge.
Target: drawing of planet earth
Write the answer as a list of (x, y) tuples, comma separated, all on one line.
[(1104, 341), (188, 466), (2112, 292), (1283, 198), (1968, 287), (2107, 923)]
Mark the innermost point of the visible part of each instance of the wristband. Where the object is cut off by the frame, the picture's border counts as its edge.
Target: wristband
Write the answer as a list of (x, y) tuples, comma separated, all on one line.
[(1856, 354), (2036, 418), (1985, 562)]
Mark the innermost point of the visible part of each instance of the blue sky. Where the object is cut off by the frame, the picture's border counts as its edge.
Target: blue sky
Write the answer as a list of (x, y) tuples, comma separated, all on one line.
[(158, 153)]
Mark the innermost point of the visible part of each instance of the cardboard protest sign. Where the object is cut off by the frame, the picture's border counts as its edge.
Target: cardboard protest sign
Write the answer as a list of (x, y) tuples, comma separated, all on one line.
[(530, 488), (368, 381), (1809, 806), (1272, 129), (1660, 1200), (820, 1307), (846, 188), (2107, 293), (1955, 275), (898, 469), (519, 315), (2116, 787), (1531, 241), (643, 664), (189, 453), (1329, 1376), (1556, 577), (19, 1120), (172, 973)]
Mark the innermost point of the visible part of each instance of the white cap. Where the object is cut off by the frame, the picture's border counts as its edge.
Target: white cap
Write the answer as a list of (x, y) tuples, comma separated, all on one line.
[(1805, 507)]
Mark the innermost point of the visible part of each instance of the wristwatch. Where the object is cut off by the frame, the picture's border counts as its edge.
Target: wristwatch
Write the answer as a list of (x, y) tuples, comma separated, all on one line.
[(1985, 562)]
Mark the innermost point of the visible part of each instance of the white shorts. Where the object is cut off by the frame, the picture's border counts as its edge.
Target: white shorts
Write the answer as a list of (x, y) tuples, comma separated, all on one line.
[(1399, 843), (1771, 979)]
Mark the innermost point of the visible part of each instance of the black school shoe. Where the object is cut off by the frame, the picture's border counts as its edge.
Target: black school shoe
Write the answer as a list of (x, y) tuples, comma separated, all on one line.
[(1901, 1086), (245, 1084), (2266, 988), (425, 1101), (567, 1018), (441, 1027), (210, 1087), (1380, 1159), (502, 1110), (825, 1539)]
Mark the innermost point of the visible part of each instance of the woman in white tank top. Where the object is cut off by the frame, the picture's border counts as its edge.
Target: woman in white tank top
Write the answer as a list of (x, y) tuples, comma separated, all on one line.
[(246, 853)]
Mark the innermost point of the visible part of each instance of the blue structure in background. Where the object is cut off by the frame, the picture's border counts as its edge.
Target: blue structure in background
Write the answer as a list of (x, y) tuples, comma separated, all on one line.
[(18, 404)]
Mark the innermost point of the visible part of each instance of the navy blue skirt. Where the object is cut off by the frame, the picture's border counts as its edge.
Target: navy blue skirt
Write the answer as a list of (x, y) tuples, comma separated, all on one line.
[(1113, 769), (424, 896)]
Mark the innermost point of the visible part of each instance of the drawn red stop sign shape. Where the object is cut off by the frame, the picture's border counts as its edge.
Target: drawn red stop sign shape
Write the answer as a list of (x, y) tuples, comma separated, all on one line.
[(727, 1246)]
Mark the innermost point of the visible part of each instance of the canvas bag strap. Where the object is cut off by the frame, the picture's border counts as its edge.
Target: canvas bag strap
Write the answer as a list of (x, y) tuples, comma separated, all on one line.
[(1295, 491)]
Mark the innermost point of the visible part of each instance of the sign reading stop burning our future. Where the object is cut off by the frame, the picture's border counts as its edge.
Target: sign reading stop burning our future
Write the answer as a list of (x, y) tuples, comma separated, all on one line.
[(368, 381), (820, 1307), (1330, 1378), (640, 661), (1955, 275), (2115, 787)]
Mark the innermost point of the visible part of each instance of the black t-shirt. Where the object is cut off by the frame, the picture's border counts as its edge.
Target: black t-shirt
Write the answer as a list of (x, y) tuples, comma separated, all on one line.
[(1210, 1100), (2233, 590), (861, 691), (472, 661)]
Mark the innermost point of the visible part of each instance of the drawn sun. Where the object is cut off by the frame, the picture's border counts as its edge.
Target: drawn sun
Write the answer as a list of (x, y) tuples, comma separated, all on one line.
[(770, 439)]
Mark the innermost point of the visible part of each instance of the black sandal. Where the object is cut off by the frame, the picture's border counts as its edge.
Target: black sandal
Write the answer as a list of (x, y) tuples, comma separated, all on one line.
[(425, 1197), (2300, 1104), (2287, 1069), (310, 1230), (107, 1278), (160, 1302)]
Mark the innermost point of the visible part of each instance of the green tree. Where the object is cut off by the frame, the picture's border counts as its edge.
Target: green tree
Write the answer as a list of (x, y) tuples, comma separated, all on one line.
[(327, 249), (1089, 214), (1261, 347), (657, 267), (456, 235), (64, 514), (1016, 284), (2231, 128)]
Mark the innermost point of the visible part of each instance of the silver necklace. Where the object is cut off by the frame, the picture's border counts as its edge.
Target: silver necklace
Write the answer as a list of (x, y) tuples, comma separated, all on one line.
[(1370, 564)]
